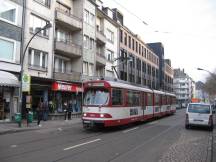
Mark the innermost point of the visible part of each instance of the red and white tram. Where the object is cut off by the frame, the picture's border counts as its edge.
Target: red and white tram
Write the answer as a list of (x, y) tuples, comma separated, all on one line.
[(110, 103)]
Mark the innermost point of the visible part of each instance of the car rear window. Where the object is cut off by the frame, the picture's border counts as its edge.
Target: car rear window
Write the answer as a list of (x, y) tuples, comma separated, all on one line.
[(199, 108)]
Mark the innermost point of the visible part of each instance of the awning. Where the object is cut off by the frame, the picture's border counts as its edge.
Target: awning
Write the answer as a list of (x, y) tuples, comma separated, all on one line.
[(8, 79)]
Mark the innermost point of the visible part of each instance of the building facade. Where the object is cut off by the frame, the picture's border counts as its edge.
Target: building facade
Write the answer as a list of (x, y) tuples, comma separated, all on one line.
[(11, 39), (143, 67), (183, 87), (107, 41)]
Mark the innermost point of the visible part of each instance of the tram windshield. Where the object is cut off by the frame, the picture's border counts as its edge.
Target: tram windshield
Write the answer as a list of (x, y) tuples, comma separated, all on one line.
[(96, 97)]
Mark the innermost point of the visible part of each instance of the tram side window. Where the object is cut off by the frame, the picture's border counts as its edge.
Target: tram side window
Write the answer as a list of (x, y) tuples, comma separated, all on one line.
[(117, 97), (164, 100), (149, 99), (157, 99), (133, 98)]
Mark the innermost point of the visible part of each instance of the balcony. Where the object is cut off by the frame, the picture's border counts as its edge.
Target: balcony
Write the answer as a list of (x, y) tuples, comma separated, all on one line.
[(101, 38), (67, 76), (68, 48), (68, 20), (100, 59)]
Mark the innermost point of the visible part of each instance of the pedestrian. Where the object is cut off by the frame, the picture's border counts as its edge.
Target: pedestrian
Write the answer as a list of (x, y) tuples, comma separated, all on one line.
[(70, 109), (39, 112), (65, 108), (45, 110)]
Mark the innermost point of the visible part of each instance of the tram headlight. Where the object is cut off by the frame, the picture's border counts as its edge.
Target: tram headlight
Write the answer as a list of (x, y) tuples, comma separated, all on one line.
[(84, 114), (102, 115)]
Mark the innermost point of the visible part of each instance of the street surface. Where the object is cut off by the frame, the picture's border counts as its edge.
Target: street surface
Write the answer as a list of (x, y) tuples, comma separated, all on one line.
[(161, 140)]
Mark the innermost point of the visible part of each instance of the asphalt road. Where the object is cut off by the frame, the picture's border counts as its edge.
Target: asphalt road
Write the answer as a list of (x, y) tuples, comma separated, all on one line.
[(161, 140)]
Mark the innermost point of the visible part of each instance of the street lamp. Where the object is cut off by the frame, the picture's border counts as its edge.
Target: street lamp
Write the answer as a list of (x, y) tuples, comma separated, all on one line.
[(48, 25), (212, 74)]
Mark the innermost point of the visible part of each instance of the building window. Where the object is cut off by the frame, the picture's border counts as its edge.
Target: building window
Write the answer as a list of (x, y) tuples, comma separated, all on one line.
[(60, 65), (86, 16), (125, 39), (37, 58), (121, 36), (45, 2), (136, 47), (36, 23), (109, 55), (8, 11), (133, 44), (7, 49), (86, 42), (110, 35), (139, 49), (91, 44), (63, 36), (129, 43), (91, 19), (85, 68), (91, 69)]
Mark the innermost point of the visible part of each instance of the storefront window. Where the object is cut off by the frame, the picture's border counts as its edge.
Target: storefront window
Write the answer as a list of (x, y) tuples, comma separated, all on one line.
[(96, 97)]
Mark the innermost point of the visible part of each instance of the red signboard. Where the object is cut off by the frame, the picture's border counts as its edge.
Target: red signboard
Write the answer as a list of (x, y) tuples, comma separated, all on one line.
[(56, 86)]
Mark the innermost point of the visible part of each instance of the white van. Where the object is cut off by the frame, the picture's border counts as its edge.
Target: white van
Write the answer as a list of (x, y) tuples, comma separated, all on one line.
[(199, 114)]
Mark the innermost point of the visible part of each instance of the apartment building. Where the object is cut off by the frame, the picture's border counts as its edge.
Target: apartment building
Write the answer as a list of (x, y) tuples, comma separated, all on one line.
[(89, 38), (11, 28), (144, 67), (107, 41), (183, 86)]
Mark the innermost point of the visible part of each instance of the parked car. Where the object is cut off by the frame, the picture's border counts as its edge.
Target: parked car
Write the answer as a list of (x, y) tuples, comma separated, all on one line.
[(199, 114)]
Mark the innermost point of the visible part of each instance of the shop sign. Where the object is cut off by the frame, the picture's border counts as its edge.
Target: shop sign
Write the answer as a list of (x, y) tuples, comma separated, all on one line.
[(65, 87), (26, 81)]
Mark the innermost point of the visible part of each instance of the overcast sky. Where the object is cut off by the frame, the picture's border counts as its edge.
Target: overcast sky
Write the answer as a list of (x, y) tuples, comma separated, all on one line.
[(187, 29)]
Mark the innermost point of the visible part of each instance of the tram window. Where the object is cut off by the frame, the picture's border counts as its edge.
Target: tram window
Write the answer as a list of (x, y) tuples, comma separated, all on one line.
[(164, 100), (133, 98), (130, 98), (117, 97), (149, 99), (157, 99)]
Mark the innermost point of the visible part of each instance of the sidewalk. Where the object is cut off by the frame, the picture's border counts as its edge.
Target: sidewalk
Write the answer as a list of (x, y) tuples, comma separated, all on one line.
[(214, 141), (11, 127)]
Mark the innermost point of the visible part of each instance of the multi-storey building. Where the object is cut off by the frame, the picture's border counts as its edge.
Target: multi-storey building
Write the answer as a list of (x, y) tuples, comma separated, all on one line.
[(168, 76), (144, 66), (107, 41), (11, 29), (183, 87), (55, 55)]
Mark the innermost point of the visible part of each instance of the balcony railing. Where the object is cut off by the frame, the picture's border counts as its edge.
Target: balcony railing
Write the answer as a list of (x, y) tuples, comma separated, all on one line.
[(66, 75), (68, 19), (101, 59), (101, 38), (69, 48)]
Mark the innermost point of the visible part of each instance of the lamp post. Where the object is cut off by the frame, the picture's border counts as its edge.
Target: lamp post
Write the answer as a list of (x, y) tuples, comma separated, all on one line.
[(48, 25), (212, 74)]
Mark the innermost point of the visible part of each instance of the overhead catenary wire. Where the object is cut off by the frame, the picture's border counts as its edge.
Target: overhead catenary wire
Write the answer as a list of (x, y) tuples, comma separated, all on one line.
[(159, 31)]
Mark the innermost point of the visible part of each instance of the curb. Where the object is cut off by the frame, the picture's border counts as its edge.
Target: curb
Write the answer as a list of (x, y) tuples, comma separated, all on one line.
[(17, 130)]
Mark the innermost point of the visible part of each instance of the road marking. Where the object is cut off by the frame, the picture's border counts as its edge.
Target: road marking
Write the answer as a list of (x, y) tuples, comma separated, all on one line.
[(72, 147), (13, 146), (126, 131)]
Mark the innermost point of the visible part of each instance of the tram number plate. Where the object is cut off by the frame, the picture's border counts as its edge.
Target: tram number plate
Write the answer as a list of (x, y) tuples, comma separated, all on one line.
[(133, 111)]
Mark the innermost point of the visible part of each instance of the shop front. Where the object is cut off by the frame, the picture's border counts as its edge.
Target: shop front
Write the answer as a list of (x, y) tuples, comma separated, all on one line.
[(9, 95), (66, 96)]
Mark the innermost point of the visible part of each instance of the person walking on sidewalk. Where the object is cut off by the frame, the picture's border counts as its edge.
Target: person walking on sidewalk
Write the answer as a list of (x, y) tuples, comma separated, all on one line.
[(40, 112), (45, 110)]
